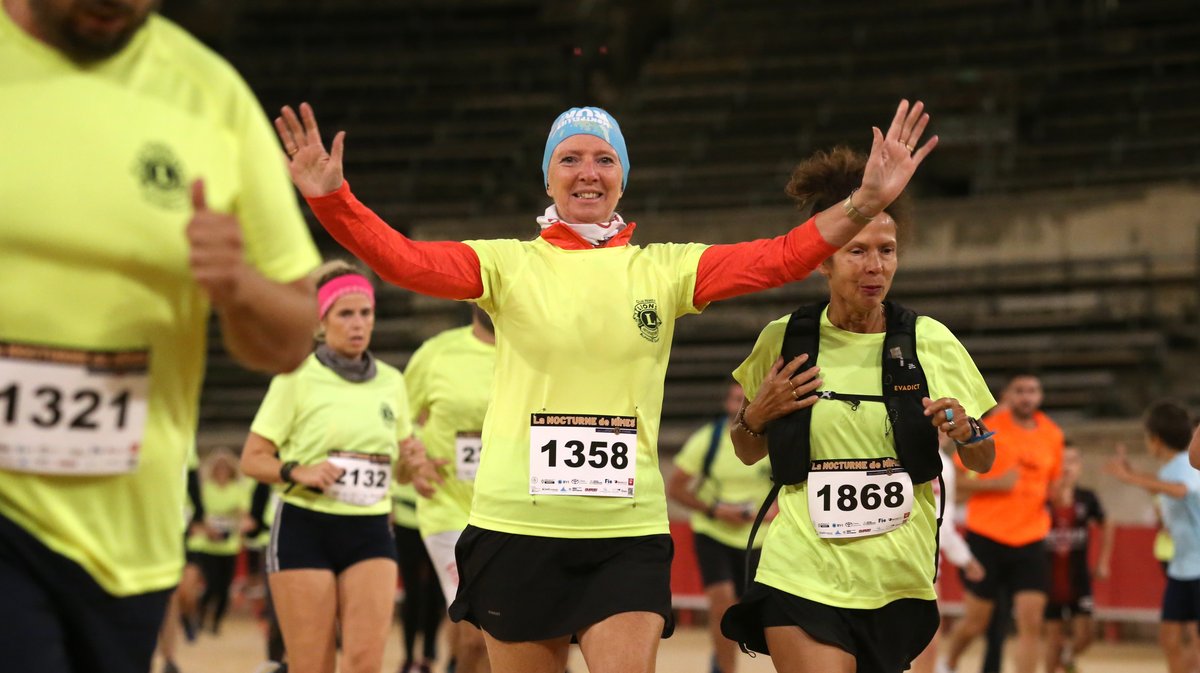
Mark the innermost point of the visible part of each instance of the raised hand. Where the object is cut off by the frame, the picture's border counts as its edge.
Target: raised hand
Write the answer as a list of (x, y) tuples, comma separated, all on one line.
[(315, 172), (1118, 466), (894, 158), (215, 249)]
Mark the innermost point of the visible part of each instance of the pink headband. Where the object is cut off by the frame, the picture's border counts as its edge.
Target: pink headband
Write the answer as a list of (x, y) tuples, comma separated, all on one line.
[(340, 287)]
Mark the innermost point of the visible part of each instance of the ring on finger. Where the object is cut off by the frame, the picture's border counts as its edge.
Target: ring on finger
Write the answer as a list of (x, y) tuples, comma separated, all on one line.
[(795, 394), (951, 424), (911, 148)]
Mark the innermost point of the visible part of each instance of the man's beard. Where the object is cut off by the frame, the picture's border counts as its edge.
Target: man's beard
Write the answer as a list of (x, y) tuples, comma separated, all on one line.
[(65, 33)]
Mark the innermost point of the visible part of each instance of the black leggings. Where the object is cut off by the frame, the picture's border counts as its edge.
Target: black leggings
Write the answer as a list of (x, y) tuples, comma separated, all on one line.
[(218, 577), (423, 607)]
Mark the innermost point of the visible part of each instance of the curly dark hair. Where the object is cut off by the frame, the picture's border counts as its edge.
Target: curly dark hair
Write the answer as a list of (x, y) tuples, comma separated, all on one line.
[(827, 177)]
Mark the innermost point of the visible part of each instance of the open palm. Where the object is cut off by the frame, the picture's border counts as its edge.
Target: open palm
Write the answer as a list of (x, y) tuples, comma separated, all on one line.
[(895, 156), (315, 172)]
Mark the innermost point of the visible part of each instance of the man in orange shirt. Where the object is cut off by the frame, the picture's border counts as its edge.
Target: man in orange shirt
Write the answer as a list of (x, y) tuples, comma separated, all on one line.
[(1007, 522)]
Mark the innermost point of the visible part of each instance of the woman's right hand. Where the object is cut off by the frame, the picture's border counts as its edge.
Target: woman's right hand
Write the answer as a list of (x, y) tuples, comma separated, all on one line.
[(315, 172), (782, 392), (320, 476)]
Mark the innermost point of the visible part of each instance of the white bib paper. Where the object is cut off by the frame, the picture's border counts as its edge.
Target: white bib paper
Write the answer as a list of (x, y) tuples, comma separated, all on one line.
[(365, 480), (468, 447), (71, 412), (856, 497), (578, 454)]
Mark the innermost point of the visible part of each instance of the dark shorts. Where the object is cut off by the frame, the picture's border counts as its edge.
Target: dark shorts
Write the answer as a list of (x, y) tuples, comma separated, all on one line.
[(302, 539), (54, 618), (521, 588), (1023, 568), (882, 640), (721, 563), (1083, 606), (1181, 601)]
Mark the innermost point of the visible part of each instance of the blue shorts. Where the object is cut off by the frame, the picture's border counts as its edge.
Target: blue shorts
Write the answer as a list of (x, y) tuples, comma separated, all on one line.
[(1181, 601)]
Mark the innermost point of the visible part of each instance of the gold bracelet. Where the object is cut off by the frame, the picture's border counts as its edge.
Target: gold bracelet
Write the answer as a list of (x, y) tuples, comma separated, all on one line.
[(852, 212), (741, 423)]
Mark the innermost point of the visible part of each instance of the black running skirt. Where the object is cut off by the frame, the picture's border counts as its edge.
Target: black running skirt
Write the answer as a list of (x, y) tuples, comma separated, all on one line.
[(521, 588)]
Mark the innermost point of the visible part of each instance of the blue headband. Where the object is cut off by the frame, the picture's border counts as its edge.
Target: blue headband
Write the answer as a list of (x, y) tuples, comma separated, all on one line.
[(591, 121)]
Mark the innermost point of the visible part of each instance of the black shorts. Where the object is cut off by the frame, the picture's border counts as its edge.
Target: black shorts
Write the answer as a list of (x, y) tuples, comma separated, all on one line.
[(521, 588), (1082, 606), (54, 618), (302, 539), (721, 563), (882, 640), (1181, 601), (1023, 568)]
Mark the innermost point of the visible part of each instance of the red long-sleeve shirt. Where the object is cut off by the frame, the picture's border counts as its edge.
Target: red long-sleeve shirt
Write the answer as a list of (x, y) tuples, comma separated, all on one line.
[(450, 269)]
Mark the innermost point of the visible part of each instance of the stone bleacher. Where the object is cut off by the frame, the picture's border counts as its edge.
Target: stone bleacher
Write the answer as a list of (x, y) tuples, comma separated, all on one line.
[(446, 104)]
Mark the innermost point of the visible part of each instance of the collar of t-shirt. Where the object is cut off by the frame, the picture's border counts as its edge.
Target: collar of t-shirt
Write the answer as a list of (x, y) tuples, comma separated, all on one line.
[(569, 236)]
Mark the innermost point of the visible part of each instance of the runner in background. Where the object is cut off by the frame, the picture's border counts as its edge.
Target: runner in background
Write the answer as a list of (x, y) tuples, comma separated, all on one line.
[(1007, 524), (953, 548), (1168, 430), (328, 435), (723, 495), (1074, 512), (450, 380), (216, 546), (423, 609)]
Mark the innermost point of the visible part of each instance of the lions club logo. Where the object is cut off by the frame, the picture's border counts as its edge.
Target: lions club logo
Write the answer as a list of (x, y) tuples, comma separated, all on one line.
[(160, 175), (645, 312)]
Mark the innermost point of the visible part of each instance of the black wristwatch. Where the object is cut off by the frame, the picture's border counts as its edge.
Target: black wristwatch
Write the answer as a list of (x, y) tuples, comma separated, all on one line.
[(285, 471)]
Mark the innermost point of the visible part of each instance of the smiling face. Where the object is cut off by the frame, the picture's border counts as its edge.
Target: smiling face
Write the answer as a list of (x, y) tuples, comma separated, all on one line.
[(860, 274), (348, 325), (585, 180), (88, 30)]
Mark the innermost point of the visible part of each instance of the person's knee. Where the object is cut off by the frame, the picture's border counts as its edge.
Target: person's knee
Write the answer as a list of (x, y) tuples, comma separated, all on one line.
[(1170, 638)]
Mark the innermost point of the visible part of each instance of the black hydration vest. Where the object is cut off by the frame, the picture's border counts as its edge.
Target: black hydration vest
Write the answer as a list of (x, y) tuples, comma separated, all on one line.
[(904, 385)]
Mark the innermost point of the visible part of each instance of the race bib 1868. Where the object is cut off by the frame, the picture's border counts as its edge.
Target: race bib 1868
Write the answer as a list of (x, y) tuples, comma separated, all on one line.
[(71, 412), (365, 479), (856, 497), (578, 454)]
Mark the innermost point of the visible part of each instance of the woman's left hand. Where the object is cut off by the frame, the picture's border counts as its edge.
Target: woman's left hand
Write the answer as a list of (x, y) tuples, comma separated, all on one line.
[(894, 158), (954, 423)]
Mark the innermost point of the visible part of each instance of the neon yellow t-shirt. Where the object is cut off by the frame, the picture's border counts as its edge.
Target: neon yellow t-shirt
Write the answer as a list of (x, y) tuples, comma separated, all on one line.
[(730, 481), (404, 505), (224, 507), (864, 572), (95, 178), (578, 332), (450, 378), (313, 411)]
